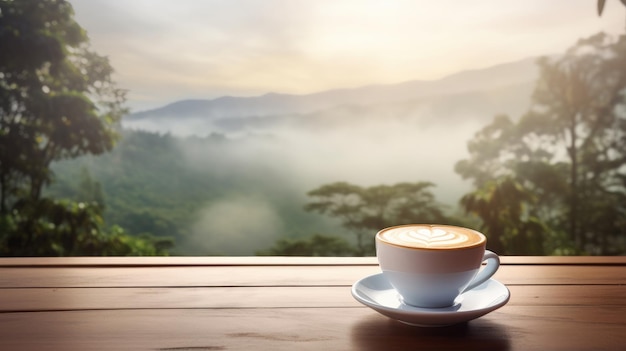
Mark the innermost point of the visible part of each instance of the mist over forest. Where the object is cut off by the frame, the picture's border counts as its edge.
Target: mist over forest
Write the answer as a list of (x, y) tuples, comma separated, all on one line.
[(381, 134), (308, 144), (230, 175)]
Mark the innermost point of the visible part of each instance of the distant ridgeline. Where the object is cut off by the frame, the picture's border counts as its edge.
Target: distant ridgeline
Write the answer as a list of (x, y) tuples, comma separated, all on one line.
[(321, 173), (238, 181), (476, 94)]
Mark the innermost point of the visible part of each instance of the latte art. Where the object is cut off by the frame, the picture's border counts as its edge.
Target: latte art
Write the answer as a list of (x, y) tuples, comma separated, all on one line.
[(431, 237), (427, 237)]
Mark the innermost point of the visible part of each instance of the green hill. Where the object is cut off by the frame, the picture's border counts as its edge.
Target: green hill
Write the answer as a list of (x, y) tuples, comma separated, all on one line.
[(194, 190)]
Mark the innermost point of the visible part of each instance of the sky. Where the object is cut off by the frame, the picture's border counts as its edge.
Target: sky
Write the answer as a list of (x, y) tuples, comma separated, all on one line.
[(163, 51)]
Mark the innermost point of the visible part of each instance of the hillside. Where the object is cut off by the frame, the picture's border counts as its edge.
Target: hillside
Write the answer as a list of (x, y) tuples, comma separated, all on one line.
[(214, 174), (475, 92)]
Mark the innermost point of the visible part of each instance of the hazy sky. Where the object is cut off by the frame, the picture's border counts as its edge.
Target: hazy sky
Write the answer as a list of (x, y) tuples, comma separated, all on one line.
[(164, 51)]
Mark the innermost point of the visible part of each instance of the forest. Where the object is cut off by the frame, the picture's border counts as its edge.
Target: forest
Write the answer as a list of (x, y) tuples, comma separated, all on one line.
[(74, 182)]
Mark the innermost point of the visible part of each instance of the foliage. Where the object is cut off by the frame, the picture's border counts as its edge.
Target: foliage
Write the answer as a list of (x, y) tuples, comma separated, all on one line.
[(503, 205), (143, 181), (315, 245), (557, 175), (47, 227), (601, 5), (163, 184), (365, 210), (57, 101), (553, 182)]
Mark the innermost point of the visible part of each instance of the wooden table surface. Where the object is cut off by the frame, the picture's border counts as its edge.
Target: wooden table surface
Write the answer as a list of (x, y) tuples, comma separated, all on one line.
[(274, 303)]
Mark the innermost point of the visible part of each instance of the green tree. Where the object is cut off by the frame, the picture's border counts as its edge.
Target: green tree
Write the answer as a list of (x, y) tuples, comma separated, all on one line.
[(66, 228), (57, 101), (505, 208), (365, 210), (566, 155)]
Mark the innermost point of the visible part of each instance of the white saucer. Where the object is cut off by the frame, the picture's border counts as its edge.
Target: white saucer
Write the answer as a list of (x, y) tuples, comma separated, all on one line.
[(375, 292)]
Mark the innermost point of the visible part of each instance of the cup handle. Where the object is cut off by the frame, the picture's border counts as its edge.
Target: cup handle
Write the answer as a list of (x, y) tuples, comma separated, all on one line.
[(493, 263)]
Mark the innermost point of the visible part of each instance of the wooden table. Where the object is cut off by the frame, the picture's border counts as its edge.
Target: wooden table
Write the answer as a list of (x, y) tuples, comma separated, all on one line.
[(272, 303)]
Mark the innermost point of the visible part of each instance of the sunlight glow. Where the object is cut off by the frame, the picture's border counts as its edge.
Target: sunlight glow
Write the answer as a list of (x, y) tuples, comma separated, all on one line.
[(163, 51)]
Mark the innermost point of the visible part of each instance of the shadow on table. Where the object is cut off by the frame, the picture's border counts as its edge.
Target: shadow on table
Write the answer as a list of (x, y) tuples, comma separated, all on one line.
[(381, 333)]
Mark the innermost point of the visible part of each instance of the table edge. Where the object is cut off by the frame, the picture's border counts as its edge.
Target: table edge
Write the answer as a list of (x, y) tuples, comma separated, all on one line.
[(274, 261)]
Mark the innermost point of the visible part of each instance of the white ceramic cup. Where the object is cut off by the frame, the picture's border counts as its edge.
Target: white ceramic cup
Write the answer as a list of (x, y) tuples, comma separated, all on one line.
[(431, 265)]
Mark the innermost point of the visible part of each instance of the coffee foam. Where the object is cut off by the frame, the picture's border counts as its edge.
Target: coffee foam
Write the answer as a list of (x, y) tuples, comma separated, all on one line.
[(431, 236)]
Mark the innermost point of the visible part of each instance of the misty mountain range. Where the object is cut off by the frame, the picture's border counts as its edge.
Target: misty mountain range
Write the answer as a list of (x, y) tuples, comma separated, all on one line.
[(271, 150), (475, 94)]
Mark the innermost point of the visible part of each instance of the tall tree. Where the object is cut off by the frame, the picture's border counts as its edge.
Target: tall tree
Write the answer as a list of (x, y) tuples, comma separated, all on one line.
[(569, 150), (579, 105), (57, 100)]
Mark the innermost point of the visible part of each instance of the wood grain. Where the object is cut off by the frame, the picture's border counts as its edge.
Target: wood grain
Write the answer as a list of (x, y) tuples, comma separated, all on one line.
[(278, 303), (524, 328), (72, 299), (198, 276), (272, 260)]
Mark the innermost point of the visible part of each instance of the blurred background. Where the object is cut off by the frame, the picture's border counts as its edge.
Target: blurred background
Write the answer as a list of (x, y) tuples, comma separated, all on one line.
[(303, 127)]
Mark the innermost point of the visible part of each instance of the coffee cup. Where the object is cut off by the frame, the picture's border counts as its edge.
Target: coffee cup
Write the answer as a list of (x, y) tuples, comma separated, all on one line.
[(431, 265)]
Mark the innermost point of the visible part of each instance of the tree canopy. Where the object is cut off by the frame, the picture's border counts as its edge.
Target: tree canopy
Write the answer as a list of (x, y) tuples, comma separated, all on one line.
[(57, 101), (555, 181), (366, 210)]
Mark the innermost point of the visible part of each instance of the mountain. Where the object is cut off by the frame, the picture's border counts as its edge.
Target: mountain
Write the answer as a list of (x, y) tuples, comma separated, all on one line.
[(504, 88), (272, 150), (439, 109)]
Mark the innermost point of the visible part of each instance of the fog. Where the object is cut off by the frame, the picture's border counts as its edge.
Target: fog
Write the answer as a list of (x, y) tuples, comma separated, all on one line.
[(382, 153), (270, 170), (267, 153), (235, 226)]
